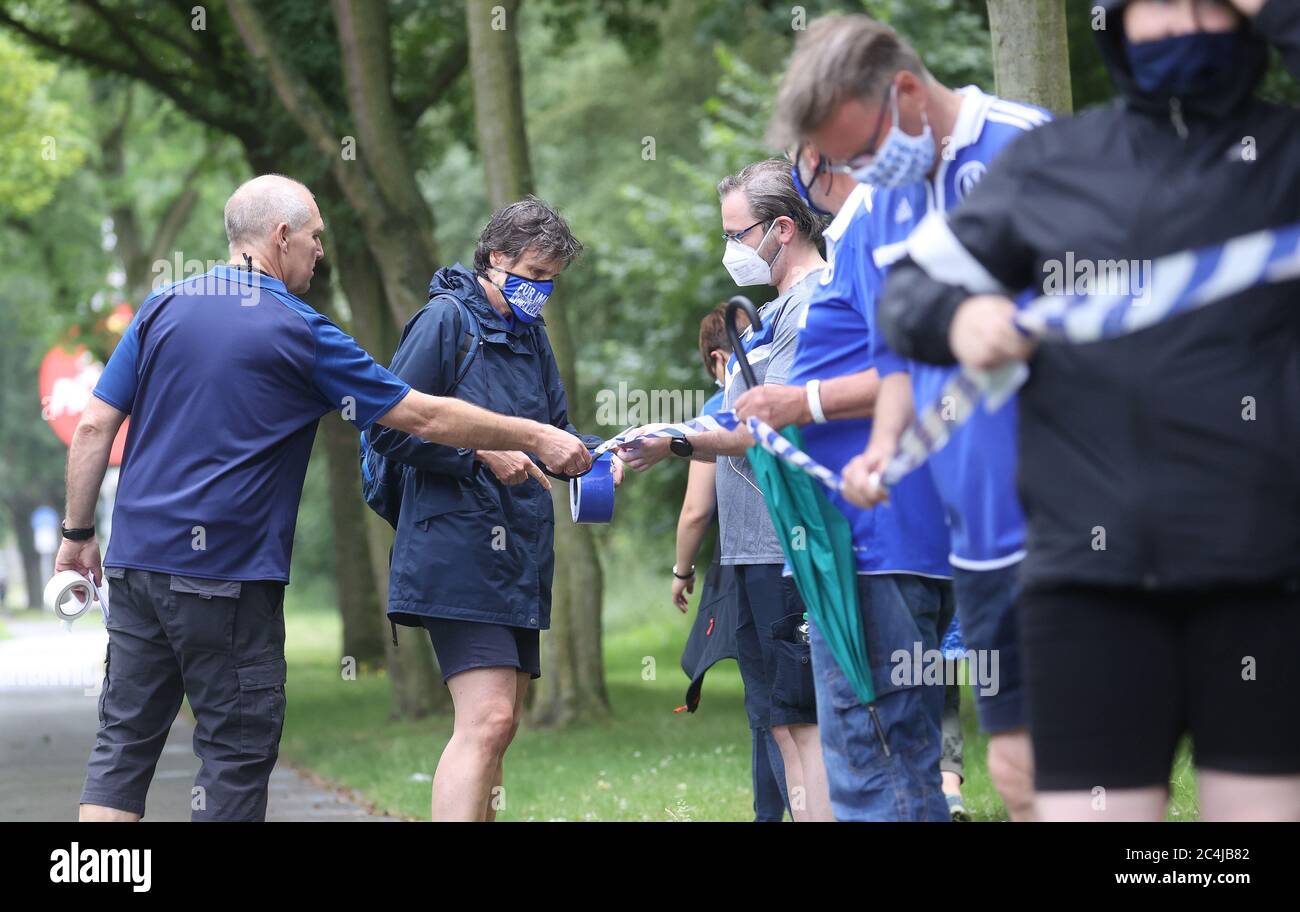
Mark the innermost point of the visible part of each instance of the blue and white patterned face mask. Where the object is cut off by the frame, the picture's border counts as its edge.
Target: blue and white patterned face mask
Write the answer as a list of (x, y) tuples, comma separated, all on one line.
[(526, 297), (900, 159)]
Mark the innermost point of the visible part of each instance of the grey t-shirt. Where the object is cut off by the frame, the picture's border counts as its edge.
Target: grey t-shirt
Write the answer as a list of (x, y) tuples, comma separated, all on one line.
[(745, 527)]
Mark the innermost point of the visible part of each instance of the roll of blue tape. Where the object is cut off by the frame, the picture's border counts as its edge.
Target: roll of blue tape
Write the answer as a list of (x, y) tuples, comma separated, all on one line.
[(591, 496)]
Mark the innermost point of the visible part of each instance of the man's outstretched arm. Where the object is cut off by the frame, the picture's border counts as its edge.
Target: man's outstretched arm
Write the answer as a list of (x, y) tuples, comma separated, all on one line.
[(440, 419)]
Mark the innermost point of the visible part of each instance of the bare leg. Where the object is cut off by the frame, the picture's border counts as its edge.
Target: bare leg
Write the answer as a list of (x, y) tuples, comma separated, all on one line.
[(1011, 767), (794, 782), (952, 766), (1110, 805), (1237, 797), (497, 795), (94, 813), (484, 700), (808, 744)]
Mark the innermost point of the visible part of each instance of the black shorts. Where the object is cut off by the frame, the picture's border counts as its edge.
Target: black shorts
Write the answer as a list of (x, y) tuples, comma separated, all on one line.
[(462, 645), (986, 604), (1115, 677)]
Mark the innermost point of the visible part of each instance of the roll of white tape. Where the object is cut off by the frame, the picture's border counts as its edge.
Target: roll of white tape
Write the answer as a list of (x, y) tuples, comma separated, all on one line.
[(69, 595)]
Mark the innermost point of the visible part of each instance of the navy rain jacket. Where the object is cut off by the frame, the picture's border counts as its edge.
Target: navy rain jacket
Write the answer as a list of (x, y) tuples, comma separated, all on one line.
[(469, 547)]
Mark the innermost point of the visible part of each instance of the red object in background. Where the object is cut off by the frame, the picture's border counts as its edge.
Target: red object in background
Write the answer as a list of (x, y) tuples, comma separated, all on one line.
[(68, 375)]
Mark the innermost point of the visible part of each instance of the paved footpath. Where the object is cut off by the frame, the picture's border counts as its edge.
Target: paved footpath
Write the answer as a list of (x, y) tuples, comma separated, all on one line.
[(49, 695)]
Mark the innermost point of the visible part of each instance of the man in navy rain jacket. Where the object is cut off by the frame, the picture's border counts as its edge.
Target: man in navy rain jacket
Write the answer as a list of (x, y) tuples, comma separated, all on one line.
[(474, 554)]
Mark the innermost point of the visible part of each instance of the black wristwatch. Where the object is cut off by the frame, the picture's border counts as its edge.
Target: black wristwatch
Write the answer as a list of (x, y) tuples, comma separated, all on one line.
[(682, 447), (686, 576), (77, 534)]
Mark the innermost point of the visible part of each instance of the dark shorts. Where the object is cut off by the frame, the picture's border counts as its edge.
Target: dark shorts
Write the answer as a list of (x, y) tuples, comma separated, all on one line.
[(462, 645), (986, 604), (1115, 677), (775, 665), (221, 644)]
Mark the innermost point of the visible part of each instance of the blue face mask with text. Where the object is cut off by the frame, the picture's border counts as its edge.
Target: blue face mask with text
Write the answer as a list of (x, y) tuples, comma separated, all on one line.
[(525, 296)]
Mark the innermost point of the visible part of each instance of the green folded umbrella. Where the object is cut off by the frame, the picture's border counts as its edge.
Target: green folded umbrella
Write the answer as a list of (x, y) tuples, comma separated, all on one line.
[(818, 546)]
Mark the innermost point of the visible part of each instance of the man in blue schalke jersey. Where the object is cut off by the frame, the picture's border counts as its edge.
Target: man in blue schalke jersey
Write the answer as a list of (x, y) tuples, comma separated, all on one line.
[(862, 99), (225, 376), (923, 148)]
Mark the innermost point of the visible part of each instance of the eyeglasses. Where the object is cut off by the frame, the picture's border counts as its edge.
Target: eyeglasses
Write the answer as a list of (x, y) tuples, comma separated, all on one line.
[(740, 234), (805, 177), (855, 162), (863, 158)]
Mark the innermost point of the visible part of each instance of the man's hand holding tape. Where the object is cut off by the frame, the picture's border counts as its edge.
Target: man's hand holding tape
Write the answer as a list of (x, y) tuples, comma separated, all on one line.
[(779, 405), (512, 467), (642, 454)]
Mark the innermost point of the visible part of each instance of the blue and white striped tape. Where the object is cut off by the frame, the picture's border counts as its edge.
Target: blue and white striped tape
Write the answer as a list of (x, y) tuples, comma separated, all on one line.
[(762, 432), (1178, 283)]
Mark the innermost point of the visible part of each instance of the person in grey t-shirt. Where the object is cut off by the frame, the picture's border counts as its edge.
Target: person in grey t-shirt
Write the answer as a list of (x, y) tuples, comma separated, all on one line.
[(747, 533), (771, 236)]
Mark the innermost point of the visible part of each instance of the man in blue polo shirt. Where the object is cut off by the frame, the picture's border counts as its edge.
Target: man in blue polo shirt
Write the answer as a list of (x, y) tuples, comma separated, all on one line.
[(883, 762), (923, 147), (225, 377)]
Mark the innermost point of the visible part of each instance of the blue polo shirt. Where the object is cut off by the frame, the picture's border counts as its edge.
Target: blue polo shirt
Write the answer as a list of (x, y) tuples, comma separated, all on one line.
[(975, 472), (225, 377), (907, 534)]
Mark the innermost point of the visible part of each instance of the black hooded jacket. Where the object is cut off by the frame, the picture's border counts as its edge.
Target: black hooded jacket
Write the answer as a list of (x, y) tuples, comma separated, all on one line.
[(1169, 458)]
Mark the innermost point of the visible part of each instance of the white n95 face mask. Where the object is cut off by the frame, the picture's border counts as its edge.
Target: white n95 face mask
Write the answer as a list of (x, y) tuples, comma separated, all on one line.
[(901, 159), (745, 266)]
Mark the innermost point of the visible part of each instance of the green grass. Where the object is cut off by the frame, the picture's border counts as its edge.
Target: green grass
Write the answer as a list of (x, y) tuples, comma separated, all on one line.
[(644, 763)]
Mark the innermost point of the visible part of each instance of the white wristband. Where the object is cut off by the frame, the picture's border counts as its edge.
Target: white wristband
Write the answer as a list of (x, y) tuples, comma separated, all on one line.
[(814, 389)]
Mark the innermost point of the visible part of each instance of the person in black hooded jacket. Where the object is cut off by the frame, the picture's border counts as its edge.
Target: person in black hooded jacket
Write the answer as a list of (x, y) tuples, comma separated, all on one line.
[(1159, 471)]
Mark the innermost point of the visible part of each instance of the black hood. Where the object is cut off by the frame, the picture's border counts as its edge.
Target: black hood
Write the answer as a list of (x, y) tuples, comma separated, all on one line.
[(462, 282), (1218, 103)]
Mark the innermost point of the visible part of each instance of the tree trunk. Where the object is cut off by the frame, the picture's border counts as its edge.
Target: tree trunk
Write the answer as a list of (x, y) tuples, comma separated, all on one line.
[(399, 235), (20, 511), (1031, 57), (573, 687), (363, 630), (139, 254), (417, 688), (354, 581)]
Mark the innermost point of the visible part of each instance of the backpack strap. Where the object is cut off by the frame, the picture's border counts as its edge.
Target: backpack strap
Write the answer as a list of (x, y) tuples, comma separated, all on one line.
[(469, 339)]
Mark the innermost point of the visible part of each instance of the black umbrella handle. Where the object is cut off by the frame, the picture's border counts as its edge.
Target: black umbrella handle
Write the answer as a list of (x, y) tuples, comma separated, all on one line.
[(740, 302)]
